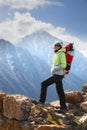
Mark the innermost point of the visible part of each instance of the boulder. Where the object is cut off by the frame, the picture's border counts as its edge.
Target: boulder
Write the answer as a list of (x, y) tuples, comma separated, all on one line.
[(84, 88), (55, 103), (6, 124), (51, 127), (83, 121), (84, 96), (73, 97), (84, 106), (2, 95), (16, 107)]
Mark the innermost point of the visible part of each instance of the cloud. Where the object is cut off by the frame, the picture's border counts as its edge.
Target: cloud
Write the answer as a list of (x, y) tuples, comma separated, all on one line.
[(28, 4), (24, 24), (48, 2), (13, 29)]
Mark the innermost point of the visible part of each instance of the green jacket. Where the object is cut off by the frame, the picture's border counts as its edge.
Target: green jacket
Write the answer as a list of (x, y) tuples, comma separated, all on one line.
[(59, 62)]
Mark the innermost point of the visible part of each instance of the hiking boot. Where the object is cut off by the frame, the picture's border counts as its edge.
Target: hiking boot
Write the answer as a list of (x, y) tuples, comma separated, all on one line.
[(34, 101), (61, 110), (41, 101)]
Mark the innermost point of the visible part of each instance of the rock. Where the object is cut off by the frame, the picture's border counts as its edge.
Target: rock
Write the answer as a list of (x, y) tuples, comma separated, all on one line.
[(84, 96), (51, 127), (73, 97), (18, 112), (84, 106), (83, 121), (2, 95), (84, 88), (14, 125), (55, 103), (16, 107)]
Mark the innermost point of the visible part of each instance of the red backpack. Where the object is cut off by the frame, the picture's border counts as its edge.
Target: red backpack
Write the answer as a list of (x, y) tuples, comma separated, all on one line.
[(69, 57)]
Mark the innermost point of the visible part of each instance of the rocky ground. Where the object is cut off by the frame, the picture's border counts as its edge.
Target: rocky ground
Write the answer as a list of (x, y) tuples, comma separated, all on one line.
[(18, 112)]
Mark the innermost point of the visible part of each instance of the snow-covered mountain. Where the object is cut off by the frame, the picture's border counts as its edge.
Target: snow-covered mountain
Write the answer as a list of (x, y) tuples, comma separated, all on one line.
[(18, 70), (24, 66), (41, 43)]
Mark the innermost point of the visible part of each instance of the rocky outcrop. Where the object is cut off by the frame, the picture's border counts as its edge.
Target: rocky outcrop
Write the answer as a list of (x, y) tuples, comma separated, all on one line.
[(84, 106), (16, 107), (84, 88), (50, 127), (18, 112), (73, 97)]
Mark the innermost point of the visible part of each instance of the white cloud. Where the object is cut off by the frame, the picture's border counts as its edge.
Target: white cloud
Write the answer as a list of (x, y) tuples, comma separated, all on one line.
[(24, 24), (28, 4)]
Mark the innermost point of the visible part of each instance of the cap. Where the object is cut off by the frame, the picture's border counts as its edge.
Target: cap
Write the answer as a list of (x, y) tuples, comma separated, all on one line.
[(58, 43)]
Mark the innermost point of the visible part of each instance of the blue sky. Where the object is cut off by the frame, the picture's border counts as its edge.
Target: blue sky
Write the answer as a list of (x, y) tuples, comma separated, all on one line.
[(72, 15), (65, 19)]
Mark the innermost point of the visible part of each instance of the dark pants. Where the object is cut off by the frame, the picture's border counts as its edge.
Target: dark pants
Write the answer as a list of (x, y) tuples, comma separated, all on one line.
[(57, 79)]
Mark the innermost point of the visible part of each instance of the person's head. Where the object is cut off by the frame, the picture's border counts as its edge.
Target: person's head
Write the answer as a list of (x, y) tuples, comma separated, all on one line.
[(57, 46)]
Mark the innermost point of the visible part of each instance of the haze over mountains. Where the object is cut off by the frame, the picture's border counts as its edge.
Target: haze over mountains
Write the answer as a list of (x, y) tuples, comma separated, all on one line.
[(24, 66)]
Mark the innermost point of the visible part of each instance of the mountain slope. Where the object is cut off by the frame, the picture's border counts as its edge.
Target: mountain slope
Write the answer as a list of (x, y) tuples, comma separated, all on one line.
[(25, 66), (18, 70), (41, 43)]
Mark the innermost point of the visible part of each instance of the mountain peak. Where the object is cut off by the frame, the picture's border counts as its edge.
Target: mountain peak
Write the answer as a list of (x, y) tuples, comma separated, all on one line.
[(41, 34)]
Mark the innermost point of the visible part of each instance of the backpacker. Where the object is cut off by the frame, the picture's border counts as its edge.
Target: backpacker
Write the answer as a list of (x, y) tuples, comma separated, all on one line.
[(69, 57)]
